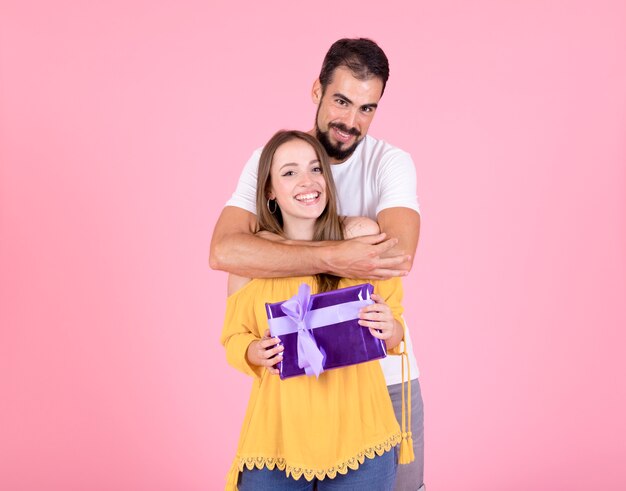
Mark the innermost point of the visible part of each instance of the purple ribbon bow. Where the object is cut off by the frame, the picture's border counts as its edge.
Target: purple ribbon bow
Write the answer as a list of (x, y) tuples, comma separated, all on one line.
[(309, 355)]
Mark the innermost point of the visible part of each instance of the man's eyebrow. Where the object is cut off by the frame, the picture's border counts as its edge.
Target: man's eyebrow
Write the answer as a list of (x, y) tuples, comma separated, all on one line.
[(372, 105), (341, 96)]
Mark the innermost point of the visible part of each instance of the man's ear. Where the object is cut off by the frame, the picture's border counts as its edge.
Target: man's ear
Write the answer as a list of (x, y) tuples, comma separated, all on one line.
[(316, 92)]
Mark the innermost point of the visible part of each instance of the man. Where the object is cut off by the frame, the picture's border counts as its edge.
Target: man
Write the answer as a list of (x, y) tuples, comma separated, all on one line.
[(373, 179)]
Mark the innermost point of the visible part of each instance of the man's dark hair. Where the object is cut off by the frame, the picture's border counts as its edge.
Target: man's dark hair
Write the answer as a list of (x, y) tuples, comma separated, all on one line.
[(363, 57)]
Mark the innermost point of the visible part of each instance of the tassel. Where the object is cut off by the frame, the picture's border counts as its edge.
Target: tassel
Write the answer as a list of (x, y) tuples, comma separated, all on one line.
[(406, 455)]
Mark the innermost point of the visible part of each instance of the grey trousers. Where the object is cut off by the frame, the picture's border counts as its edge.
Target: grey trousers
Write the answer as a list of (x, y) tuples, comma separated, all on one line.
[(410, 477)]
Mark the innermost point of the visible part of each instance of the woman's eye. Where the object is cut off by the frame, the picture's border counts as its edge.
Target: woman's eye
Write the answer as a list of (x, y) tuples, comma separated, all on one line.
[(289, 173), (317, 170)]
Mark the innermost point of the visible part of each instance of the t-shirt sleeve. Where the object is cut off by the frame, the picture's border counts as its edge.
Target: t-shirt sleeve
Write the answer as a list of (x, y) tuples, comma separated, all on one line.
[(392, 293), (240, 329), (397, 181), (245, 193)]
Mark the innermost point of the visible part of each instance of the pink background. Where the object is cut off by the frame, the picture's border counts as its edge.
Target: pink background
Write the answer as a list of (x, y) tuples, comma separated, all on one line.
[(123, 128)]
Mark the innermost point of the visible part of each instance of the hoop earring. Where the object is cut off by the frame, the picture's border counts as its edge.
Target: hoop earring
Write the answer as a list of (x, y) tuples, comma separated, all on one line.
[(275, 206)]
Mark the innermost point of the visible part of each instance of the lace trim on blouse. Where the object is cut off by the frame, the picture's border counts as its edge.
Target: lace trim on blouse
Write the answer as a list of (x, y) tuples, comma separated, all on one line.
[(309, 474)]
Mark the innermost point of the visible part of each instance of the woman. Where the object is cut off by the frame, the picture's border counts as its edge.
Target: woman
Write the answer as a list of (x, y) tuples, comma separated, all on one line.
[(337, 431)]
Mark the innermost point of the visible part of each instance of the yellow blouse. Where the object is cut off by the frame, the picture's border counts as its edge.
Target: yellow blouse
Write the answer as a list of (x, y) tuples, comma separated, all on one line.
[(303, 425)]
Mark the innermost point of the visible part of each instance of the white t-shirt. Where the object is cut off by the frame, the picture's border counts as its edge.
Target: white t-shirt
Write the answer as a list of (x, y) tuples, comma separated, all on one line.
[(375, 177)]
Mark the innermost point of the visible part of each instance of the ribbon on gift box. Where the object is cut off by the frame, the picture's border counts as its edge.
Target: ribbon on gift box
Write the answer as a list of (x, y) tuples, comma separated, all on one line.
[(301, 319)]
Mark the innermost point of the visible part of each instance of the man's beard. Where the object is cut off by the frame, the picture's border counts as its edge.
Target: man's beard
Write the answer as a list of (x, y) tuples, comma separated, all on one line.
[(335, 151)]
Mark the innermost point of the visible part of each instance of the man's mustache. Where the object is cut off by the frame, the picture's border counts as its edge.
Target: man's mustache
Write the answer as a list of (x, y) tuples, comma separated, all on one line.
[(344, 129)]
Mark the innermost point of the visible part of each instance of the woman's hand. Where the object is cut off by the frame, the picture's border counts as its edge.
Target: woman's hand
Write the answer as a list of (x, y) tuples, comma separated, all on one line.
[(265, 352), (381, 323)]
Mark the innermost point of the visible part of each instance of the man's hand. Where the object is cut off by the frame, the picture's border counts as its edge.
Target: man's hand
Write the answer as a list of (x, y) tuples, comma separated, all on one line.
[(265, 352), (361, 257)]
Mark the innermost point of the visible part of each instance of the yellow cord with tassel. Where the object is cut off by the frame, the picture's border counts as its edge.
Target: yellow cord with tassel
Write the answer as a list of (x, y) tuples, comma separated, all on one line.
[(406, 455)]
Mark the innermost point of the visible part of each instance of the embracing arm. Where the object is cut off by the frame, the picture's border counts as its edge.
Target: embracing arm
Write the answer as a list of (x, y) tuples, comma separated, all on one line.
[(235, 248), (404, 224)]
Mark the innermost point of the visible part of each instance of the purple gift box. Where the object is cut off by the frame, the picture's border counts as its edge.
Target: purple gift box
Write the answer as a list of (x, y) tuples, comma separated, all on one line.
[(321, 331)]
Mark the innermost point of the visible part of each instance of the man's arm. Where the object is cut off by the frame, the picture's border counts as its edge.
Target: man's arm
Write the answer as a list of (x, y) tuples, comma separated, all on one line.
[(404, 224), (235, 248)]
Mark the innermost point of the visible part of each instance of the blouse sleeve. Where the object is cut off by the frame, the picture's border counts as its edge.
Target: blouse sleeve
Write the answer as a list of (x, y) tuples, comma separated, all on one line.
[(392, 293), (240, 329)]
